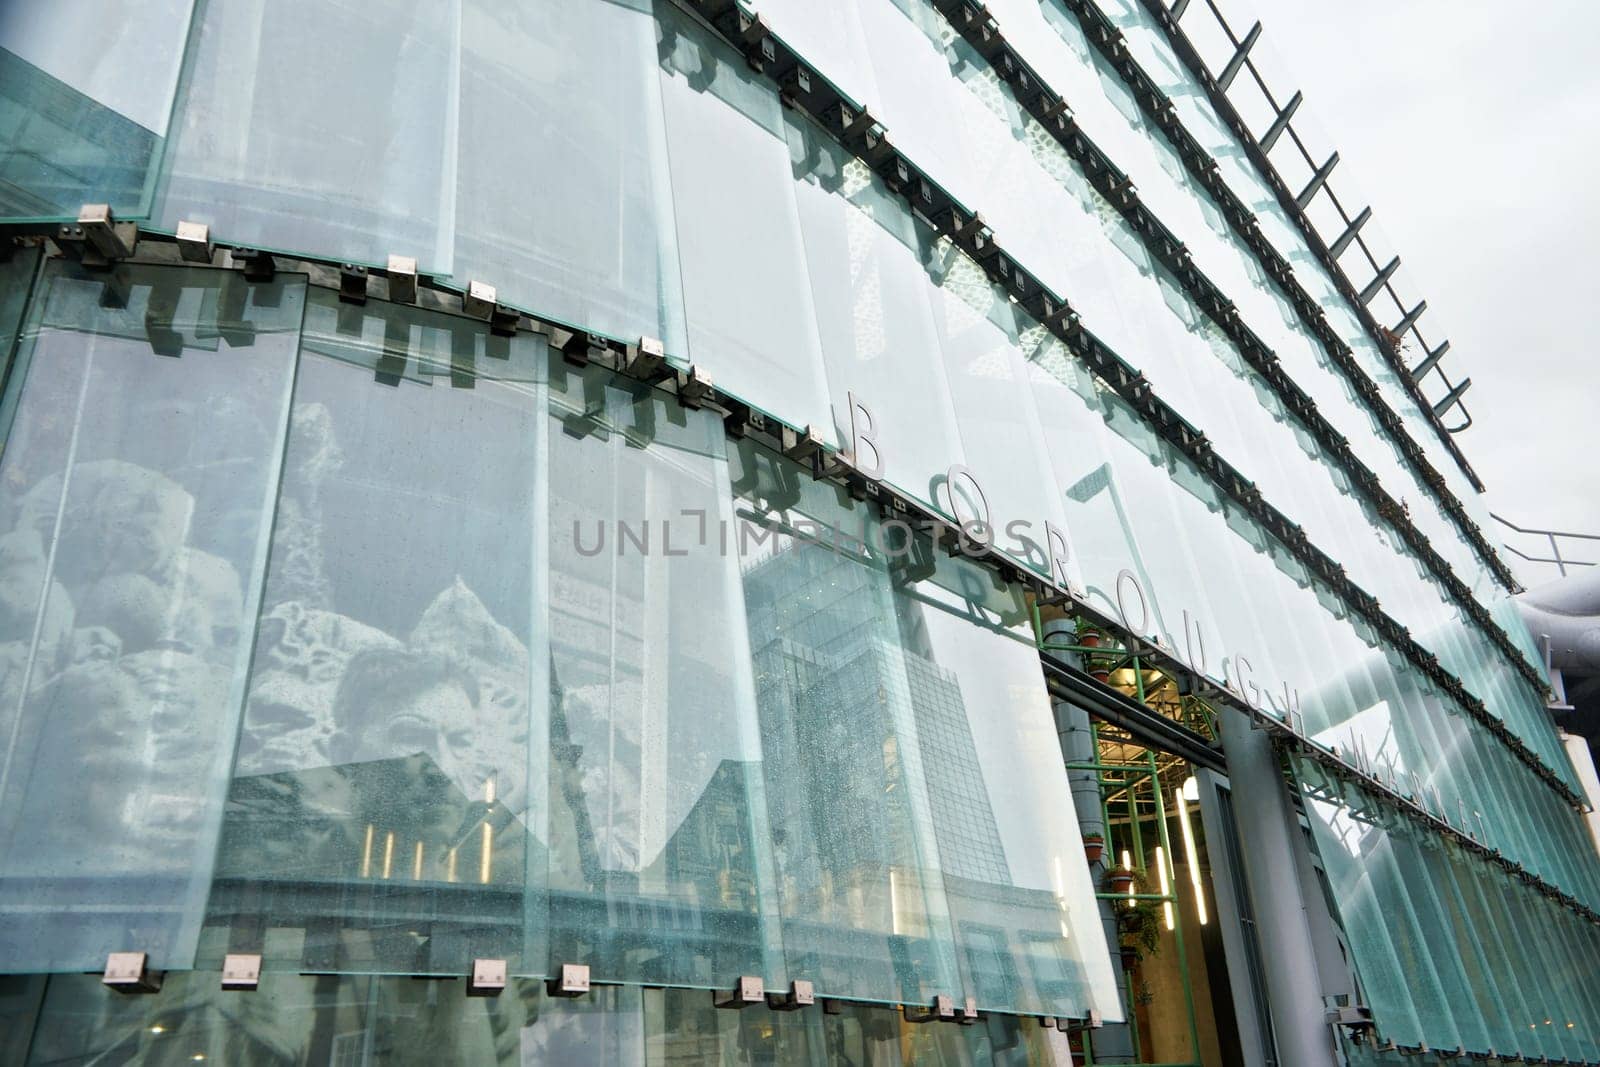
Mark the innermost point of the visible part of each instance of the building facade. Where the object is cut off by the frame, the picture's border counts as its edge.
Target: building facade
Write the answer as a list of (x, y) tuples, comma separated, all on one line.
[(674, 531)]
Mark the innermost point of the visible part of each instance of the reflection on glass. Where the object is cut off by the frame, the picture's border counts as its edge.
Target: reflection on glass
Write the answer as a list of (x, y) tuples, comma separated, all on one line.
[(381, 816), (1027, 925), (85, 94), (1449, 948), (594, 245), (329, 1019), (745, 293), (921, 821), (349, 1020), (659, 868), (135, 490), (323, 128), (859, 885)]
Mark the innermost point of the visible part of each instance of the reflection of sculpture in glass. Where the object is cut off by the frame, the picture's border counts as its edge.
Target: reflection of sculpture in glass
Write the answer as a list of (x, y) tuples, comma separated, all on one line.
[(128, 680), (358, 735)]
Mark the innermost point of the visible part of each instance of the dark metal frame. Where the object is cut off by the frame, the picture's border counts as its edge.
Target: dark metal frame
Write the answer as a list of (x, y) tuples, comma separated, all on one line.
[(983, 33), (809, 91), (1386, 338), (641, 360), (1203, 168)]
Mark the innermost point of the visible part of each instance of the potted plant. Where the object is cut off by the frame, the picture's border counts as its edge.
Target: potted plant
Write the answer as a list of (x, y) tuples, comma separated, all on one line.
[(1088, 634), (1094, 846), (1098, 664), (1119, 880)]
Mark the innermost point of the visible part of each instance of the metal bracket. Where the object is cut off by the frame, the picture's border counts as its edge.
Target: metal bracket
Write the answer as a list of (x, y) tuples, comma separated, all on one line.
[(257, 266), (694, 386), (746, 992), (241, 971), (801, 994), (943, 1009), (353, 284), (129, 972), (572, 981), (402, 272), (800, 446), (194, 242), (503, 320), (577, 348), (479, 299), (645, 359), (488, 978), (98, 239)]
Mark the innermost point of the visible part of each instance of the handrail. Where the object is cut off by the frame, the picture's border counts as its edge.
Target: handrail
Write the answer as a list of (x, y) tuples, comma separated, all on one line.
[(1555, 556)]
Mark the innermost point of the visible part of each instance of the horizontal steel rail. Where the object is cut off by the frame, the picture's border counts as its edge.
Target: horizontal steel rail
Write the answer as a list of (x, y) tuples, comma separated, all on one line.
[(982, 31), (803, 88)]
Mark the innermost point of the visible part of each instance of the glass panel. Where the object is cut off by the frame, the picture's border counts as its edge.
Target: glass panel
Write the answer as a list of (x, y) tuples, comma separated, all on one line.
[(659, 864), (322, 128), (85, 94), (341, 1021), (291, 1019), (16, 285), (1346, 844), (861, 895), (135, 492), (1003, 443), (827, 35), (565, 98), (870, 286), (751, 325), (1027, 924), (1450, 949), (683, 1026), (386, 811), (428, 1023)]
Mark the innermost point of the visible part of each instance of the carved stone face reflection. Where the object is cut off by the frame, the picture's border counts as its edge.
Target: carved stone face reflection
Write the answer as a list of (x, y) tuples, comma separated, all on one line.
[(118, 518), (394, 703), (439, 721), (129, 743)]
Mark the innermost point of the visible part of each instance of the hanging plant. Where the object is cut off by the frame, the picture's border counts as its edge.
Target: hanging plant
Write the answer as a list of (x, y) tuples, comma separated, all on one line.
[(1094, 846), (1139, 929)]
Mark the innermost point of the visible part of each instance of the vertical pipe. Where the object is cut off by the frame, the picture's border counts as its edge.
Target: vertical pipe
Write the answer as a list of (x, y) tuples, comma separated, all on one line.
[(1266, 821)]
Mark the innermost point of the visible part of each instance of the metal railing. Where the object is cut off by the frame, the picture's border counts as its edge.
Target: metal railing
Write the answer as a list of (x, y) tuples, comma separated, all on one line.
[(1554, 539), (1404, 331)]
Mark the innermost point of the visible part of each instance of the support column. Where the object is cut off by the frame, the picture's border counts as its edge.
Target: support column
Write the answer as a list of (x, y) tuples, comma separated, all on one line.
[(1266, 825)]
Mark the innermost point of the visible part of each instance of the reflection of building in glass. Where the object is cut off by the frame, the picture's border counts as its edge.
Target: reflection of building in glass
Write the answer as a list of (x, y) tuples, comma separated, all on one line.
[(324, 327), (826, 638)]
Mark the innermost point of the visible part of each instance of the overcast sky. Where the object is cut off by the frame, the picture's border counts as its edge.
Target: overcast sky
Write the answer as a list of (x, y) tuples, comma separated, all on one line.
[(1473, 128)]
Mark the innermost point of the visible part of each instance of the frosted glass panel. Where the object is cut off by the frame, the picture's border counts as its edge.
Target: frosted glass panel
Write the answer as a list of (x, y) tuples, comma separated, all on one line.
[(138, 480), (563, 200), (386, 810), (751, 325), (871, 288), (1450, 949), (326, 128)]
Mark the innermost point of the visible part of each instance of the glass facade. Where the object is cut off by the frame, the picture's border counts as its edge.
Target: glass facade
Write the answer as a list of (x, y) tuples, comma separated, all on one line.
[(374, 639)]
